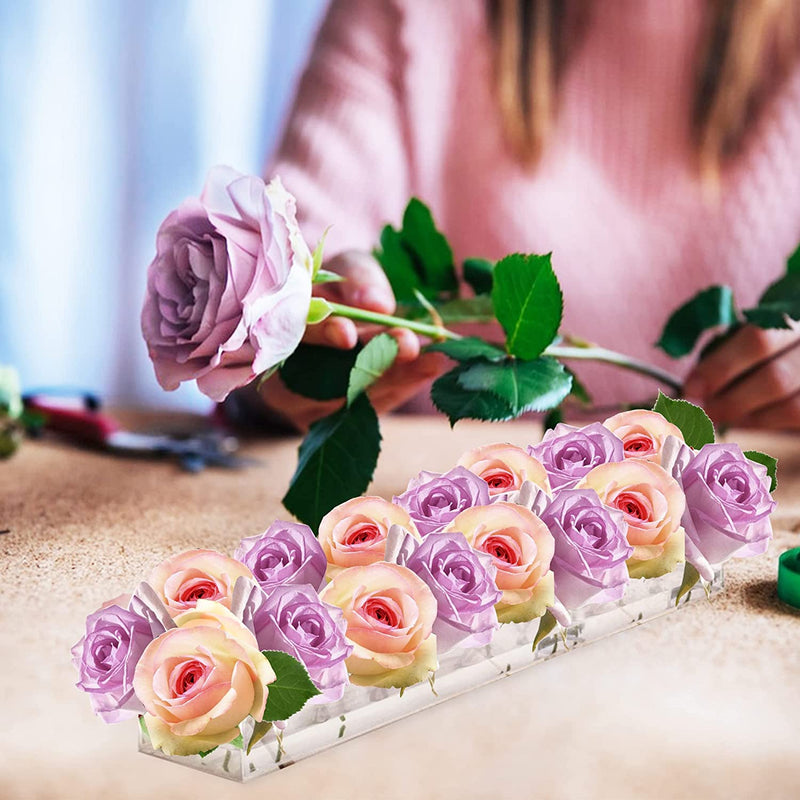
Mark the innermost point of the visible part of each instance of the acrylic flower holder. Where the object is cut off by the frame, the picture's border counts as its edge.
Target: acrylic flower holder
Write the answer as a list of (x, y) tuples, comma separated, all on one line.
[(361, 710)]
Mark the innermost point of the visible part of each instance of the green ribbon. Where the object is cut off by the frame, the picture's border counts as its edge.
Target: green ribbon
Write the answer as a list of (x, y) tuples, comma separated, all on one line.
[(789, 577)]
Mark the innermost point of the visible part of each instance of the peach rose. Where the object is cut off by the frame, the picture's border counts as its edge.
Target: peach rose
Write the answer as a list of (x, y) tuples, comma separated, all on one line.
[(642, 432), (652, 503), (521, 547), (354, 533), (504, 467), (389, 613), (182, 580), (200, 680)]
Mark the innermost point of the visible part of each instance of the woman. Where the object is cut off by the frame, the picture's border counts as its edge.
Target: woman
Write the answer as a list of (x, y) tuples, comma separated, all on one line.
[(653, 147)]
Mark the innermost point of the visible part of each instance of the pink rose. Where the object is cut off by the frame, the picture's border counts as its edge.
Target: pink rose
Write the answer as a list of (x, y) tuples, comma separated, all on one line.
[(182, 580), (521, 547), (389, 613), (228, 292), (652, 504), (200, 680), (504, 467), (643, 433), (354, 533)]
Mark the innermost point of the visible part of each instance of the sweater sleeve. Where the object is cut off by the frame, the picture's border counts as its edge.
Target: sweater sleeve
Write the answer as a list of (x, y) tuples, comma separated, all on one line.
[(343, 151)]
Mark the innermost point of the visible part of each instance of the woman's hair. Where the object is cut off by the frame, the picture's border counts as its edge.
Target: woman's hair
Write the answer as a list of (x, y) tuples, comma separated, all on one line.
[(748, 47)]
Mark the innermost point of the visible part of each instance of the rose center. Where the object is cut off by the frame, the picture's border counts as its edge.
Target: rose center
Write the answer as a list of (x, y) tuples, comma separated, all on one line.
[(382, 612), (639, 444), (187, 675), (362, 534), (501, 549), (199, 589), (499, 480), (631, 505)]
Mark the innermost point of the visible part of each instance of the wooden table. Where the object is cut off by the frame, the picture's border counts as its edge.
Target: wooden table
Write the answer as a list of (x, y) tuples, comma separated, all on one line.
[(703, 703)]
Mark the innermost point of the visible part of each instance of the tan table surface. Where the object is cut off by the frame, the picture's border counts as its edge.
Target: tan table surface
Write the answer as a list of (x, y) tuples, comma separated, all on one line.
[(703, 703)]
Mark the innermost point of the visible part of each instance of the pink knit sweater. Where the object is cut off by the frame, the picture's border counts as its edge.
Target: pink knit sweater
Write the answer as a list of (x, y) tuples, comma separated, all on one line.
[(398, 100)]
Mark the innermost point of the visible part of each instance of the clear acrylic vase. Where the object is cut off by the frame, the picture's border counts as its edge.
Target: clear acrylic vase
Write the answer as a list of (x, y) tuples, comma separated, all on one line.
[(363, 709)]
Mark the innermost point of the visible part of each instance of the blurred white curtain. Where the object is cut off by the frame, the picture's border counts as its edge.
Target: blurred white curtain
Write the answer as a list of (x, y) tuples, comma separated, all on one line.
[(111, 112)]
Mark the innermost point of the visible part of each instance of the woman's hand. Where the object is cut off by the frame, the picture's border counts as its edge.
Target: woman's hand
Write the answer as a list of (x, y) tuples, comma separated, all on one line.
[(751, 380), (365, 286)]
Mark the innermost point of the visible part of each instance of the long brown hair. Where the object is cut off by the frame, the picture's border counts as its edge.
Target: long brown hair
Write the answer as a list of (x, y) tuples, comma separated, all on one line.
[(749, 46)]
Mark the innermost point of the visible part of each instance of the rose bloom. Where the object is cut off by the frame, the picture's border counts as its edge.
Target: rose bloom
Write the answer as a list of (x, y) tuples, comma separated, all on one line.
[(728, 506), (504, 467), (354, 533), (183, 579), (521, 547), (286, 553), (642, 432), (463, 582), (568, 453), (106, 658), (652, 504), (200, 680), (591, 549), (294, 620), (433, 500), (228, 292), (389, 613)]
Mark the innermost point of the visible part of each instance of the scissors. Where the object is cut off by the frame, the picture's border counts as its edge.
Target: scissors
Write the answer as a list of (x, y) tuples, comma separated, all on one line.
[(82, 420)]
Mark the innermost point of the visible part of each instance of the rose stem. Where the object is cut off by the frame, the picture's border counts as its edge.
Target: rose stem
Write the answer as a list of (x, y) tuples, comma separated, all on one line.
[(620, 360), (584, 352), (422, 328)]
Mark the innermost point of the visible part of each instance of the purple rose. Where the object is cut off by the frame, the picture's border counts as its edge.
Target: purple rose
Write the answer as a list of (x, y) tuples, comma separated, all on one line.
[(228, 292), (591, 548), (286, 553), (433, 500), (294, 620), (463, 582), (106, 658), (727, 506), (569, 453)]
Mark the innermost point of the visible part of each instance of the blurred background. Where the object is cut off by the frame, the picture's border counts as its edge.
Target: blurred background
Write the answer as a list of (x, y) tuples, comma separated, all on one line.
[(110, 114)]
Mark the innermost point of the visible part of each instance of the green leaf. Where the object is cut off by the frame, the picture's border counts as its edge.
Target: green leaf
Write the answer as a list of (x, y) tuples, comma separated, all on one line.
[(579, 391), (291, 689), (528, 304), (793, 262), (376, 357), (711, 308), (690, 578), (457, 403), (326, 276), (467, 348), (319, 309), (478, 274), (316, 258), (694, 424), (552, 418), (260, 730), (237, 742), (470, 309), (204, 753), (335, 462), (523, 385), (433, 254), (547, 624), (398, 265), (10, 394), (779, 301), (769, 462), (321, 373)]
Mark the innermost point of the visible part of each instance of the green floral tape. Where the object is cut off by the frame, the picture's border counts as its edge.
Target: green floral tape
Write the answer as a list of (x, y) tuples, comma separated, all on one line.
[(789, 577)]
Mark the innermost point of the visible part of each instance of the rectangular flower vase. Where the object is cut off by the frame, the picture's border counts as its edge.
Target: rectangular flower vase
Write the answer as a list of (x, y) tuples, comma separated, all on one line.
[(363, 709)]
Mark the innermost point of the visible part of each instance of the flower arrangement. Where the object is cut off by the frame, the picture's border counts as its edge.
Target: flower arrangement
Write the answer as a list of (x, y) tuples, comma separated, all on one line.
[(229, 298), (508, 535)]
